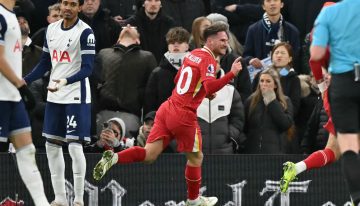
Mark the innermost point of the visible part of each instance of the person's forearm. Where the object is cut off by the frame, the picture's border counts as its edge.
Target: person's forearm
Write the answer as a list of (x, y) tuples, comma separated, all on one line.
[(212, 86)]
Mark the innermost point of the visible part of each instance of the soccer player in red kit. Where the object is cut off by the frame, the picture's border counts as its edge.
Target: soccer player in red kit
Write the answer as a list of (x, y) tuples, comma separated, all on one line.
[(176, 118), (331, 152)]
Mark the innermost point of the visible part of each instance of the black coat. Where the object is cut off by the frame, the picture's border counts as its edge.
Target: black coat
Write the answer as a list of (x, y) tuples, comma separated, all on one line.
[(316, 136), (223, 135), (152, 32), (242, 81), (256, 37), (160, 85), (124, 75), (266, 128), (105, 29), (184, 11)]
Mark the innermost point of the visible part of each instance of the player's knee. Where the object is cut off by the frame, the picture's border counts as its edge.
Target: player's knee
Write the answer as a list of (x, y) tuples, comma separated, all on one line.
[(150, 158), (195, 158)]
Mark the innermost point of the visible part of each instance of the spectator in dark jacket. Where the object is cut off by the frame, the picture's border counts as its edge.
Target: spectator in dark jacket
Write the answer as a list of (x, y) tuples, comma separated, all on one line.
[(184, 11), (120, 9), (54, 15), (161, 81), (106, 29), (264, 34), (282, 59), (241, 14), (125, 70), (152, 25), (222, 120), (269, 116), (30, 52), (39, 90)]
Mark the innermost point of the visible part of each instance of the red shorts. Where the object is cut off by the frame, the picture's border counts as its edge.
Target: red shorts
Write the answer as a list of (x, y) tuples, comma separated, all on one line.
[(176, 123), (329, 126)]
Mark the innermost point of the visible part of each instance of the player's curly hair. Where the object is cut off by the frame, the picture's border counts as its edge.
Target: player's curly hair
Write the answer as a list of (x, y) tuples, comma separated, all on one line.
[(214, 28)]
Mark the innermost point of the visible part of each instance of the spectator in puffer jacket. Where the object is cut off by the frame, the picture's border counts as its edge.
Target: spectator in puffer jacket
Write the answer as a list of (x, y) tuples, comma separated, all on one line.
[(125, 70), (222, 120)]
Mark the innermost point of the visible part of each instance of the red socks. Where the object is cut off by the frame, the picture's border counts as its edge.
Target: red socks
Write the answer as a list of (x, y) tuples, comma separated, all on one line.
[(320, 158), (193, 181), (132, 154)]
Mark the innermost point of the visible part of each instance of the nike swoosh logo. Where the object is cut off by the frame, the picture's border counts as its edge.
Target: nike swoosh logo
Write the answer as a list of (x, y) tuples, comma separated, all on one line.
[(69, 131)]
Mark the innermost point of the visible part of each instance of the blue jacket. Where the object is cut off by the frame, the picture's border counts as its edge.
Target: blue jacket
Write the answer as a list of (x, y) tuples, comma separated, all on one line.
[(256, 38)]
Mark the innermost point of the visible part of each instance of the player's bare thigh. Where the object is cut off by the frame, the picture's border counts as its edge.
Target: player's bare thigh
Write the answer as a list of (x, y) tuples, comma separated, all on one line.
[(153, 150), (21, 140)]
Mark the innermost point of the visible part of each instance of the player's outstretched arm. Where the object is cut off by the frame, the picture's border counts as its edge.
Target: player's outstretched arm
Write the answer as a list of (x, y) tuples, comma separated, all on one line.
[(213, 85)]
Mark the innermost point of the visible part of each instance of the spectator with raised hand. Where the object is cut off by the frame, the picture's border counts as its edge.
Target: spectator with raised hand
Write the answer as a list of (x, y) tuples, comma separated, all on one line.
[(265, 33), (161, 81), (282, 61), (152, 25), (269, 116), (112, 137)]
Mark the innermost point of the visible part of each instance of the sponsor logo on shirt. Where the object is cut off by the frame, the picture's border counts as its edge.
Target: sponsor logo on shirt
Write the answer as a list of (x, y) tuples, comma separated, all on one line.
[(60, 56), (91, 40), (210, 70)]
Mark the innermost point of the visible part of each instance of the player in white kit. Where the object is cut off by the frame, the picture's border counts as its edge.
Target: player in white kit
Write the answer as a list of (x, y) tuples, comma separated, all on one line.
[(14, 97), (69, 50)]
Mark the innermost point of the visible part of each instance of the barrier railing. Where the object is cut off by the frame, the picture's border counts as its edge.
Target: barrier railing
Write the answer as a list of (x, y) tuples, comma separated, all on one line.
[(237, 180)]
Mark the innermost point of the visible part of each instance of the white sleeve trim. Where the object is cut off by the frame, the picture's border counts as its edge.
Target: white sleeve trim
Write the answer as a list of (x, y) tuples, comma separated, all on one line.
[(46, 50), (87, 52)]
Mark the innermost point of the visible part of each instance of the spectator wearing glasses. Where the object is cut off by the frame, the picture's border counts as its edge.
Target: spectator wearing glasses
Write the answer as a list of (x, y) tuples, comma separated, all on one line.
[(112, 137)]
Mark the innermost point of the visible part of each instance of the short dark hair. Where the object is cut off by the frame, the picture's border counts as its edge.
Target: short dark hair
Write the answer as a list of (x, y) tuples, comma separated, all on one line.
[(177, 34), (263, 1), (81, 2), (215, 28)]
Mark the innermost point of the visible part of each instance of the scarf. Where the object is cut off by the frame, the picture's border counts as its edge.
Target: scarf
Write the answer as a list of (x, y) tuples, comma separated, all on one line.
[(175, 59), (275, 32)]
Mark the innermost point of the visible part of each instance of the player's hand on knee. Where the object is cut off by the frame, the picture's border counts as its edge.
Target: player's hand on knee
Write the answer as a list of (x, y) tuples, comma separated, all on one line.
[(58, 84), (27, 97)]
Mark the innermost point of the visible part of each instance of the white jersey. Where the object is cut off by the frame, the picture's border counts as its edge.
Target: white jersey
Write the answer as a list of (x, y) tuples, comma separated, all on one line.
[(10, 39), (65, 47)]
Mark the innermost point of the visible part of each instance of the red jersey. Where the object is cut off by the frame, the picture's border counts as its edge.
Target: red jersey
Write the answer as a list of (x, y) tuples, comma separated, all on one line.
[(198, 66)]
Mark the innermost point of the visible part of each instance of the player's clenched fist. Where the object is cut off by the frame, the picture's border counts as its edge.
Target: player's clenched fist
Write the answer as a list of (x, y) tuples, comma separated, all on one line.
[(236, 67)]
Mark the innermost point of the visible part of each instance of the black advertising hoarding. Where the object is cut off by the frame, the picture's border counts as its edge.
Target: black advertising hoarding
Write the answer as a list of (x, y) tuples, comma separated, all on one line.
[(237, 180)]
